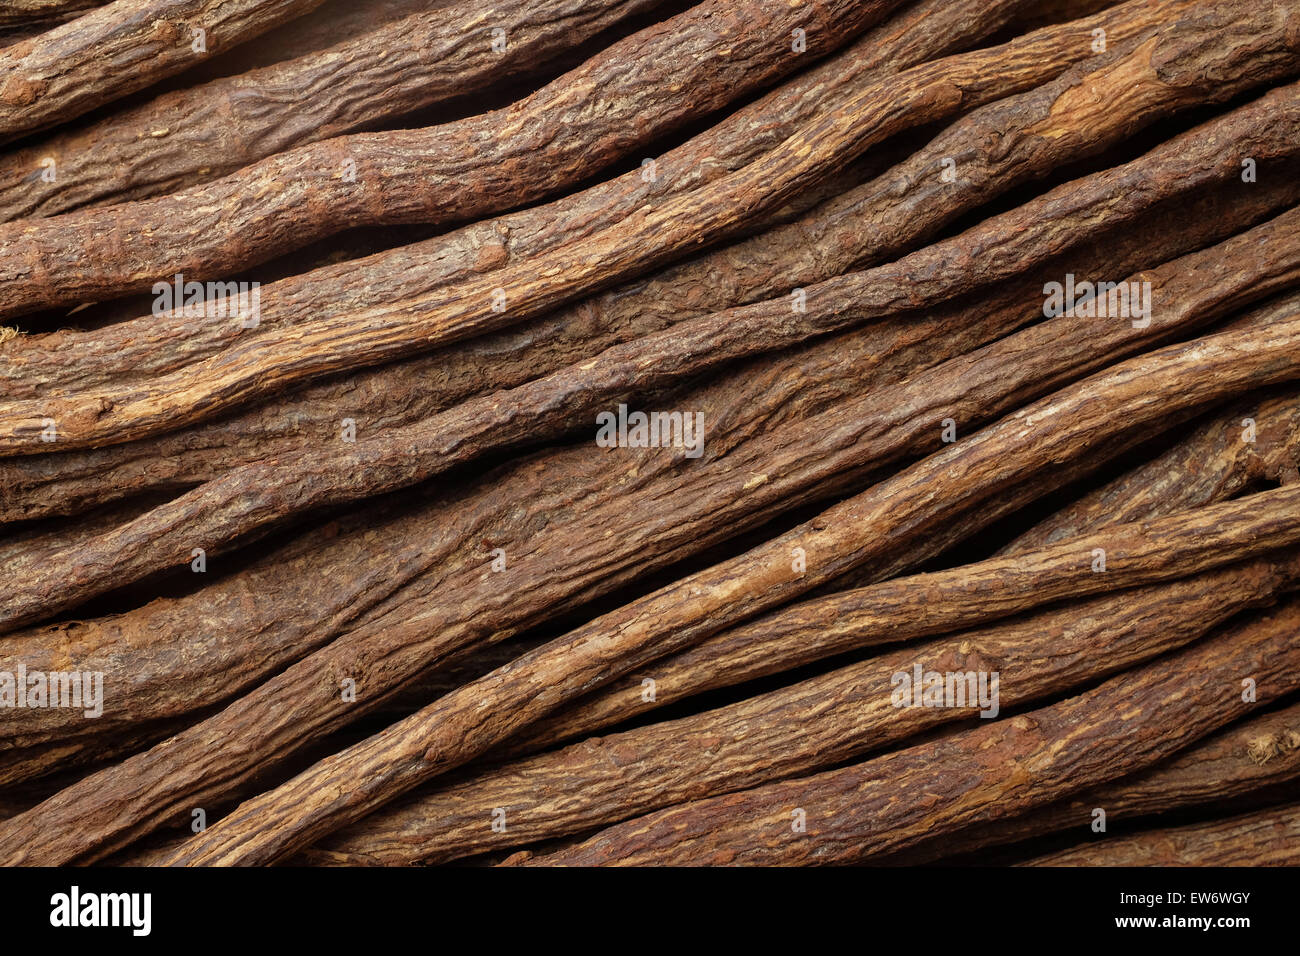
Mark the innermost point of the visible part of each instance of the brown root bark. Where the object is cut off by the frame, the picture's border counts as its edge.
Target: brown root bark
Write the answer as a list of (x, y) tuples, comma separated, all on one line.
[(273, 360), (1264, 838), (469, 721), (616, 103), (201, 133), (246, 499), (59, 75), (840, 716), (51, 364), (1127, 724), (1214, 463), (1255, 756)]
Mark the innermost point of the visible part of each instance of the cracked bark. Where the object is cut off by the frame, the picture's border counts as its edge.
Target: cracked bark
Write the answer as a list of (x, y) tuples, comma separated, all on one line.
[(416, 269), (1264, 838), (764, 647), (255, 495), (276, 359), (995, 771), (712, 212), (896, 610), (827, 375), (617, 102), (61, 74), (469, 721), (840, 716), (22, 13), (208, 760), (1242, 761), (201, 133), (1211, 464), (906, 204)]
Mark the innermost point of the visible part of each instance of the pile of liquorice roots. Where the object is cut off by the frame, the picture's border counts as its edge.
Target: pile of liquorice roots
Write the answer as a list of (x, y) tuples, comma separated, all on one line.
[(650, 432)]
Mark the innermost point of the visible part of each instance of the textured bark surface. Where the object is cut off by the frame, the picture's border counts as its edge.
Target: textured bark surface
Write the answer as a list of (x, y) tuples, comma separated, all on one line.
[(425, 622), (430, 563), (922, 32), (904, 608), (251, 497), (469, 721), (758, 412), (1264, 838), (272, 632), (1211, 464), (840, 716), (319, 202), (120, 48), (619, 101), (400, 634), (18, 13), (857, 814), (1267, 128), (201, 133), (376, 399), (201, 764), (763, 646), (407, 633), (332, 22), (964, 526), (1247, 758), (906, 204)]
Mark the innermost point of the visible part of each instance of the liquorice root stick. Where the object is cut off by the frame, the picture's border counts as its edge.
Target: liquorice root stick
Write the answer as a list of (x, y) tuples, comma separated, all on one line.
[(1264, 128), (619, 101), (1268, 837), (302, 195), (59, 75), (203, 132), (763, 647), (1256, 756), (557, 568), (469, 721), (840, 716), (1221, 457), (904, 608), (256, 495), (149, 347), (979, 776), (205, 677), (904, 204)]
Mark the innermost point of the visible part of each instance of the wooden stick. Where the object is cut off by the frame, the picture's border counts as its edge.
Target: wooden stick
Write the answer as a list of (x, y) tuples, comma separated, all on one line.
[(893, 610), (1244, 760), (394, 183), (192, 393), (1264, 838), (983, 775), (616, 103), (201, 133), (416, 269), (59, 75), (420, 620), (1213, 463), (253, 496), (467, 722)]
